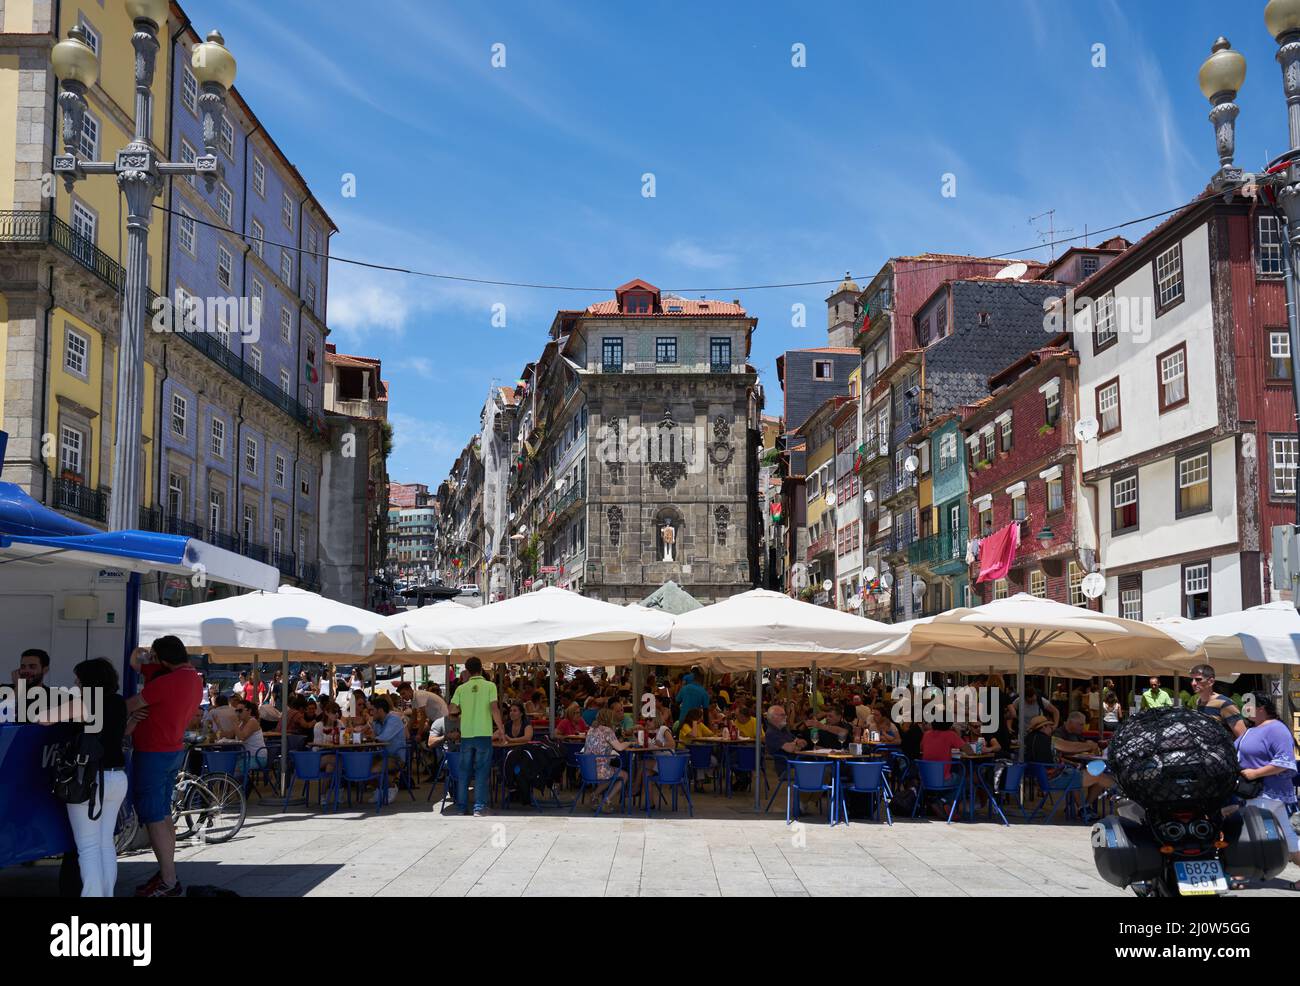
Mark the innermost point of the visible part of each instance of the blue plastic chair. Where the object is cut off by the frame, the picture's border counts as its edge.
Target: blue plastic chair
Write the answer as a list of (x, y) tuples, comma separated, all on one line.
[(406, 771), (1056, 790), (308, 766), (868, 777), (701, 762), (224, 762), (588, 778), (931, 775), (781, 763), (670, 771), (433, 759), (743, 760), (354, 768), (450, 777), (807, 777), (1013, 780)]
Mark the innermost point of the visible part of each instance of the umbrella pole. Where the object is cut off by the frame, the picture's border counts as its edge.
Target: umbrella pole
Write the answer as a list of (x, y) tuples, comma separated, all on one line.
[(758, 732), (1020, 694), (284, 720), (550, 648)]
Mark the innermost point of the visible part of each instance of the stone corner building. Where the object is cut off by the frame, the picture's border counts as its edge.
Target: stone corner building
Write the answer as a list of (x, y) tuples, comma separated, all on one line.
[(637, 456)]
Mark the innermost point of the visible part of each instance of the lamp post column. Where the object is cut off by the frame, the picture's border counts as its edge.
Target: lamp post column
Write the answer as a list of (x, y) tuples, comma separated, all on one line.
[(137, 177)]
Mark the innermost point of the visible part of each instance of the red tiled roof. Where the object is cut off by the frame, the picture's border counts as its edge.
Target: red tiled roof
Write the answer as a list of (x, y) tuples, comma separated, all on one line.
[(689, 308)]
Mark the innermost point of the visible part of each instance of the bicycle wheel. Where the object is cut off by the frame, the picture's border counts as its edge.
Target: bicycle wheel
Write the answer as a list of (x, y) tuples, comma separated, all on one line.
[(215, 807), (183, 820), (128, 827)]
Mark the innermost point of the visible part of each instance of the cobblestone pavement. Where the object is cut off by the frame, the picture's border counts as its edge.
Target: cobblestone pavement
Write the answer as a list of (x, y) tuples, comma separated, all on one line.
[(412, 850)]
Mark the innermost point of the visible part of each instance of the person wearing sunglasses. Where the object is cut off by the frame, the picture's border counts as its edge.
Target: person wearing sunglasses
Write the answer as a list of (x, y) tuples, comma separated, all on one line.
[(1213, 704)]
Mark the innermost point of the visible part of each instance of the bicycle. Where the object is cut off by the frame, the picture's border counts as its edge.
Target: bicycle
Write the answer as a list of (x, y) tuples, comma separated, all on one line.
[(213, 805)]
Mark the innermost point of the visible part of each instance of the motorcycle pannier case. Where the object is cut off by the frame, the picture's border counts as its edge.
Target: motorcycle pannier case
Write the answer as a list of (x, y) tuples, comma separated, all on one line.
[(1256, 844), (1125, 851)]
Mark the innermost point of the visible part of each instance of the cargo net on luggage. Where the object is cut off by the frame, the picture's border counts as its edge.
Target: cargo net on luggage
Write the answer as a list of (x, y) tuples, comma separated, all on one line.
[(1174, 757)]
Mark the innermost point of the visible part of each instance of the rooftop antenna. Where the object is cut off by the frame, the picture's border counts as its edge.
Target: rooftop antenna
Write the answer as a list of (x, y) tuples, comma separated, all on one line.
[(1049, 238)]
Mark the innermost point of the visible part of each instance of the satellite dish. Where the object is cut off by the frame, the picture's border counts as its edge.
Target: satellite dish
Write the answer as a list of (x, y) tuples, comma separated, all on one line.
[(1093, 585), (1085, 429), (911, 463), (830, 498), (870, 574), (523, 528), (1012, 272), (828, 585), (855, 602), (869, 496), (559, 486), (887, 580), (918, 588), (512, 515)]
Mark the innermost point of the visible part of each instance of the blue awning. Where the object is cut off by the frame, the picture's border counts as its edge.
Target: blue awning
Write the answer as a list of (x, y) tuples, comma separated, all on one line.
[(32, 533)]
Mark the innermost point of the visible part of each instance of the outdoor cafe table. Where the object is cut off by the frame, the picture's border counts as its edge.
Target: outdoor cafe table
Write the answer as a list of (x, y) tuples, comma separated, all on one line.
[(970, 762), (725, 745), (836, 757), (339, 748)]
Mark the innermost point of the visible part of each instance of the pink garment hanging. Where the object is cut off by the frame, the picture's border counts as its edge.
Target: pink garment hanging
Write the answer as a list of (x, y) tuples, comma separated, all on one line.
[(998, 552)]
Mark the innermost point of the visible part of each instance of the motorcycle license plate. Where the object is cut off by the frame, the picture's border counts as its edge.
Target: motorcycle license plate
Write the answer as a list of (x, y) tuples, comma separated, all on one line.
[(1202, 876)]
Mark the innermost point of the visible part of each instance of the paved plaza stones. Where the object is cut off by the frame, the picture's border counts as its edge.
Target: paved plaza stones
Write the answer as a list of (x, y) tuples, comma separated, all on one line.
[(412, 850)]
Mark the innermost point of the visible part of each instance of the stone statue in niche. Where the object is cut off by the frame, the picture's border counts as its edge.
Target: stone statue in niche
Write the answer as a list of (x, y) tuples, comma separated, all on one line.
[(669, 537)]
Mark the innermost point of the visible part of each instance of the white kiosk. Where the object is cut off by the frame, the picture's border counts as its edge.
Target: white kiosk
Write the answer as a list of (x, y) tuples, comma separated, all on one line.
[(74, 592)]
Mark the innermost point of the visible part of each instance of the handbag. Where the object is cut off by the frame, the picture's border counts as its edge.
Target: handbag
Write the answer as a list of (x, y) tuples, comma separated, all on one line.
[(77, 772)]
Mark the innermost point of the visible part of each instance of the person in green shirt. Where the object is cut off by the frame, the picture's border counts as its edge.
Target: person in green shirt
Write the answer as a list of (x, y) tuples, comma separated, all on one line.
[(475, 702), (1156, 697)]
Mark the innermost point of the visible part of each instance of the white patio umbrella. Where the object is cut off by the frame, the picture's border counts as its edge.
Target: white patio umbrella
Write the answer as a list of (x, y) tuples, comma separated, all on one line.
[(1039, 634), (292, 621), (554, 622), (1259, 640), (764, 627)]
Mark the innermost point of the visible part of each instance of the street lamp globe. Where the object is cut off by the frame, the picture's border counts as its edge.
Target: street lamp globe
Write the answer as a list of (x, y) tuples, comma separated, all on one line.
[(74, 60), (213, 62), (148, 10), (1223, 72), (1282, 17)]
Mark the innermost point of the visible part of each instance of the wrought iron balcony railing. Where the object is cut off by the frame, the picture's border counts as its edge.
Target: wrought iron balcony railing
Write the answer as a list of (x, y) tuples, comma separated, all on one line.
[(35, 226), (75, 497)]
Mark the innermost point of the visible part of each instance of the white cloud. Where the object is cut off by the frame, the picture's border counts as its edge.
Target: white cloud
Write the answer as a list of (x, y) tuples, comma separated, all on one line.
[(422, 447), (359, 306), (690, 254)]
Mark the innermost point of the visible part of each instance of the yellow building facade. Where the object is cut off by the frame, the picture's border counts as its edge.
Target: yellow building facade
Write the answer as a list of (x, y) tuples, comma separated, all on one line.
[(61, 256)]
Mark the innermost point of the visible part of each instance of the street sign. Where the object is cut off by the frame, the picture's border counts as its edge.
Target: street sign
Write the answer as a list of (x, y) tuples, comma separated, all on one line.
[(548, 569)]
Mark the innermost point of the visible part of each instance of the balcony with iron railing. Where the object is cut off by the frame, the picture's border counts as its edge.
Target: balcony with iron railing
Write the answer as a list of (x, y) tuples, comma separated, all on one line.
[(823, 545), (903, 486), (611, 367), (938, 549), (73, 496), (35, 226), (720, 367)]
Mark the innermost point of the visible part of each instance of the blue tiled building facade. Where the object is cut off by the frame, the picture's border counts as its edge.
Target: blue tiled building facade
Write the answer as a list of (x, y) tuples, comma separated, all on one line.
[(241, 422)]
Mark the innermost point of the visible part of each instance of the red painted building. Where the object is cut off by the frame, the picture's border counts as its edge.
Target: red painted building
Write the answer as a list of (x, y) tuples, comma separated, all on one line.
[(1022, 469)]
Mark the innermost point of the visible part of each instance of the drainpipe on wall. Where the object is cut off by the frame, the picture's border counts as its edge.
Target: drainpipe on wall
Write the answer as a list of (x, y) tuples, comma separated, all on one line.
[(45, 386)]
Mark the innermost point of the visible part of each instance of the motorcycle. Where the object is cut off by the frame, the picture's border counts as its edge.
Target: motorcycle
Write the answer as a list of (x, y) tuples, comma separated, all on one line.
[(1181, 828), (1186, 852)]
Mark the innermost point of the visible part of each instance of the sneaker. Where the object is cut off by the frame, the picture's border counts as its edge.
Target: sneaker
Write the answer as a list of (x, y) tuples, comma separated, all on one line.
[(162, 890), (451, 808), (479, 811), (392, 795), (147, 888)]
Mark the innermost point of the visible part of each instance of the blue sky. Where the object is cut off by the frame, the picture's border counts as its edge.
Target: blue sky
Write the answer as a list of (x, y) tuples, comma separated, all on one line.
[(765, 173)]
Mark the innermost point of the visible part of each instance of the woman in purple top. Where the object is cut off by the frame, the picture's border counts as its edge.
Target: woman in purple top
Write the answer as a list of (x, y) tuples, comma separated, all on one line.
[(1267, 754)]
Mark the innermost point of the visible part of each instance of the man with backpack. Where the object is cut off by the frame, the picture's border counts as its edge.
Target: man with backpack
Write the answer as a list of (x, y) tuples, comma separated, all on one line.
[(162, 709)]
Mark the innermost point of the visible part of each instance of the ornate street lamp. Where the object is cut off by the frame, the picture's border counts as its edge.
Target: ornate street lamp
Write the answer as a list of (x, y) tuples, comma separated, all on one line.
[(140, 174)]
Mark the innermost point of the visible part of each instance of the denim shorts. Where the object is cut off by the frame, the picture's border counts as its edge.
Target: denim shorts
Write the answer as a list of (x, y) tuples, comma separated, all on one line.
[(153, 776)]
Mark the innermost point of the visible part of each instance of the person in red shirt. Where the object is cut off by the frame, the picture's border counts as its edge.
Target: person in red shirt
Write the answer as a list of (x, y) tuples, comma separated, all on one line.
[(162, 710), (938, 743)]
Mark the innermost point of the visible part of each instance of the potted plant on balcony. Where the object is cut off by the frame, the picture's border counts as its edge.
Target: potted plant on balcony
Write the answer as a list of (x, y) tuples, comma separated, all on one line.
[(1046, 429), (70, 476), (806, 593)]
